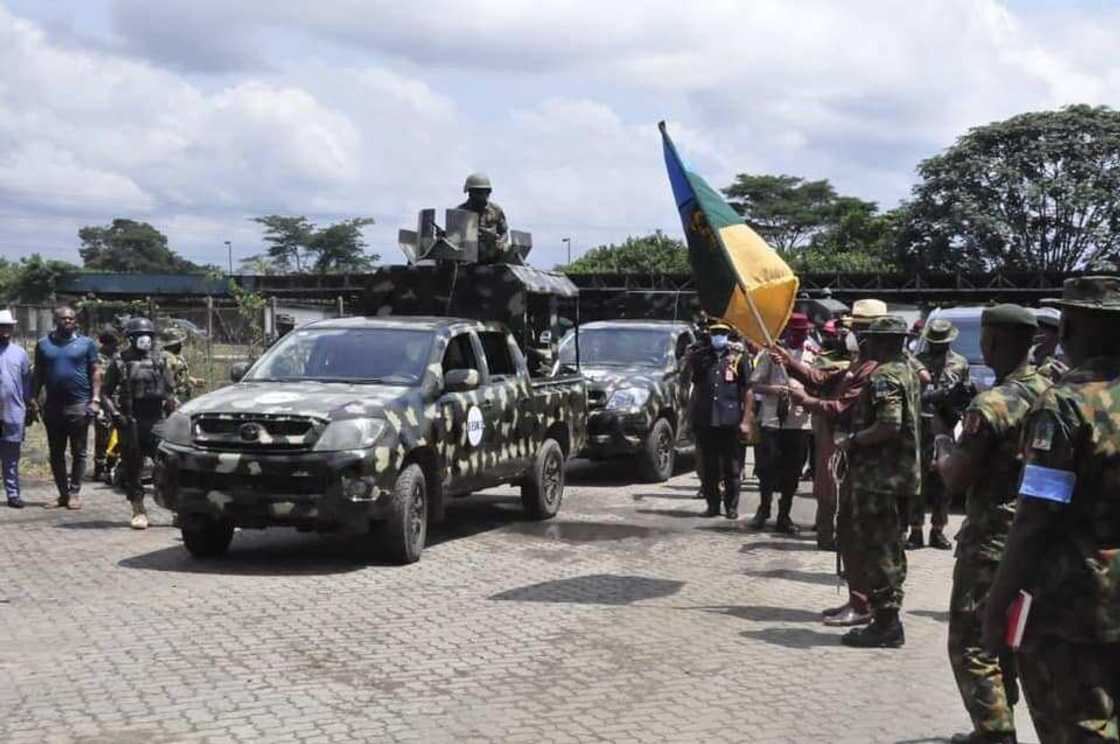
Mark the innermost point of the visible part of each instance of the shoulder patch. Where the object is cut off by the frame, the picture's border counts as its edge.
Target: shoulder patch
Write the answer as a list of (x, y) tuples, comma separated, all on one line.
[(1042, 433)]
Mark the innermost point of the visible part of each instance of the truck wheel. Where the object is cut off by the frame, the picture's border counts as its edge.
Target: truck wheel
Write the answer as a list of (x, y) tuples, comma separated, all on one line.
[(543, 489), (406, 527), (659, 453), (206, 537)]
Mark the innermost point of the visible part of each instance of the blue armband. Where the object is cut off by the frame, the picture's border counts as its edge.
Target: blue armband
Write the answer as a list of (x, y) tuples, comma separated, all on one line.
[(1048, 484)]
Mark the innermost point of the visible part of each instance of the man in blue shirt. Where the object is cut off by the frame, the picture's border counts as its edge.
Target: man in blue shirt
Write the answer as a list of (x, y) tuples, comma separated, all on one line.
[(15, 390), (66, 366)]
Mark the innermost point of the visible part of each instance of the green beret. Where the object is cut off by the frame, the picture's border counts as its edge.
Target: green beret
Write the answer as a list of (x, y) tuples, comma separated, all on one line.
[(1008, 315)]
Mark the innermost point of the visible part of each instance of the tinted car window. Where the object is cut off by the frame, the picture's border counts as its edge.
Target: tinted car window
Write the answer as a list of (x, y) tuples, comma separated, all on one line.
[(393, 356), (460, 354), (619, 346), (496, 350)]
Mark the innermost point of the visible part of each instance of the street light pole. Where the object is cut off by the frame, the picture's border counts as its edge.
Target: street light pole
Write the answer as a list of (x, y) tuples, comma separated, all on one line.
[(229, 247), (569, 242)]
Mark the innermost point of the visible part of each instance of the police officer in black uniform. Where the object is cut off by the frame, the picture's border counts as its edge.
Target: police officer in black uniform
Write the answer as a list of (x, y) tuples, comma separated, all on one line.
[(138, 393), (722, 413)]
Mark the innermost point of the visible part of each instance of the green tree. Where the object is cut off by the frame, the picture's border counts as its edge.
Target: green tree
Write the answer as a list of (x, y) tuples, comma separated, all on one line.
[(650, 254), (295, 244), (34, 278), (861, 239), (787, 211), (128, 246), (340, 247), (1038, 191), (286, 238)]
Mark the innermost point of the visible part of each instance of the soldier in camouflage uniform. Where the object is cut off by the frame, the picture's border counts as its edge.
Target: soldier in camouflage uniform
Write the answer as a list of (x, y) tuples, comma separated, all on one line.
[(1064, 545), (493, 231), (883, 466), (138, 393), (107, 341), (986, 465), (948, 371), (180, 369), (1045, 354)]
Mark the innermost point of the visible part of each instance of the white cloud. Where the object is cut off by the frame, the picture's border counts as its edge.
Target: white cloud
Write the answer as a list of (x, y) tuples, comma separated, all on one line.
[(197, 115)]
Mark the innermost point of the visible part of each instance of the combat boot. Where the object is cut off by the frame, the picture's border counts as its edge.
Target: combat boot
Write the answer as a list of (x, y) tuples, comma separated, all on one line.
[(885, 631), (139, 516), (915, 541), (938, 540), (762, 514), (785, 525)]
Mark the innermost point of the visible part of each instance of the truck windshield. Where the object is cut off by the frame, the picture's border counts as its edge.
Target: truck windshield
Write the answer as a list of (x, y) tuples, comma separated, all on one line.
[(618, 347), (392, 356)]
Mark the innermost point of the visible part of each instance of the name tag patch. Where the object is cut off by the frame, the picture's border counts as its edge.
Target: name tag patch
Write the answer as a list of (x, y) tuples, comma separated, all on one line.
[(1049, 484)]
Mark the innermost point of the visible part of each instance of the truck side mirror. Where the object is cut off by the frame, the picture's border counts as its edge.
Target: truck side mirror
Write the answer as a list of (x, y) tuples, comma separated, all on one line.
[(238, 370), (461, 380)]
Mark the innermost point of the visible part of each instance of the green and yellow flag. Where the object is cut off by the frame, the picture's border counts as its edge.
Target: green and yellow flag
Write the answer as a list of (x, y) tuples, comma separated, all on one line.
[(739, 278)]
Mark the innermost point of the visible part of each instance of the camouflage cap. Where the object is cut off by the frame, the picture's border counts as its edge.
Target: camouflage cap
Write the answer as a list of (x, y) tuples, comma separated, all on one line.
[(718, 326), (1100, 293), (1008, 314), (888, 325), (172, 337), (940, 331)]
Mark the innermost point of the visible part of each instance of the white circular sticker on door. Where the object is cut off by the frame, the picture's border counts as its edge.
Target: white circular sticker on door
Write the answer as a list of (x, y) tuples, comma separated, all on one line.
[(475, 426)]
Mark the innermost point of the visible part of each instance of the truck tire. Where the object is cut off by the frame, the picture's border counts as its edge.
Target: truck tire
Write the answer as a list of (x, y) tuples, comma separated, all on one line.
[(406, 526), (658, 455), (543, 489), (206, 537)]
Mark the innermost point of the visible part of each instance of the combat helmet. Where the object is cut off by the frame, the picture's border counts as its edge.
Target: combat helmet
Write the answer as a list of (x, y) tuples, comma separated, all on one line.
[(172, 339), (477, 181), (139, 327)]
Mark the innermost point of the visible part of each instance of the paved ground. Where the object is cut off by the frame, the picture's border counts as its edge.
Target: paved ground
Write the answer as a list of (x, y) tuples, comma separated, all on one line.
[(625, 619)]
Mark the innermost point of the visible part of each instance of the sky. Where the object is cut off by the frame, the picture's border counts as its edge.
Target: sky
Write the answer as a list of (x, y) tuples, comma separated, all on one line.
[(197, 115)]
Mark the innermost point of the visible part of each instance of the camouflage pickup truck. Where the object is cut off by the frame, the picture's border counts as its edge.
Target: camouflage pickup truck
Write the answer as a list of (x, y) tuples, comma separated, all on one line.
[(369, 424), (638, 393)]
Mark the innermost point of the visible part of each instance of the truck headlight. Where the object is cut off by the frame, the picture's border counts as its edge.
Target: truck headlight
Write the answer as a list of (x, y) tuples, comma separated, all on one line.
[(175, 429), (349, 434), (631, 397)]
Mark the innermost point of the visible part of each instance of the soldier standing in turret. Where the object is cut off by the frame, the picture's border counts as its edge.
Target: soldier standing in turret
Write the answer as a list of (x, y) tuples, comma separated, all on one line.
[(493, 231), (143, 385)]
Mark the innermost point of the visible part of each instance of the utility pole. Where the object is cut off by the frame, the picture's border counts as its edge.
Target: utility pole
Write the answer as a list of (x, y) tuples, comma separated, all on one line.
[(229, 248), (569, 242)]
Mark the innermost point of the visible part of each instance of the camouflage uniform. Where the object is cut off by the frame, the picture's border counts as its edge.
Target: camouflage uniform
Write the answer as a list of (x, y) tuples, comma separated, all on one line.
[(881, 476), (493, 231), (1064, 546), (181, 373), (945, 373), (1051, 366), (993, 426)]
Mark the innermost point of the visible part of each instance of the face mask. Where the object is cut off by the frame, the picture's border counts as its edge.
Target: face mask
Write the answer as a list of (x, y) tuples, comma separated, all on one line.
[(143, 343), (851, 343), (719, 342)]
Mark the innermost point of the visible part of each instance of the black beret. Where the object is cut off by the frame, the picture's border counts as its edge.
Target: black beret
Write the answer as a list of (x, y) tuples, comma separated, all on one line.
[(1008, 315)]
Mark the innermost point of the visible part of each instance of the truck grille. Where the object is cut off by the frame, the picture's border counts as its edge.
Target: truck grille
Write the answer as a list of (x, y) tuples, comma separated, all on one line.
[(263, 484), (255, 431)]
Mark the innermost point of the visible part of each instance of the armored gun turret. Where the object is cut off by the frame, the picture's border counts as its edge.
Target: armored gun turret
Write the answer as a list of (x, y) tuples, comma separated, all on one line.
[(443, 278)]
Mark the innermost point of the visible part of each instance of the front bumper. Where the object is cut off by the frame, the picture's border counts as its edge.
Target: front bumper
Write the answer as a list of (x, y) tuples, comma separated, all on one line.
[(324, 491), (615, 433)]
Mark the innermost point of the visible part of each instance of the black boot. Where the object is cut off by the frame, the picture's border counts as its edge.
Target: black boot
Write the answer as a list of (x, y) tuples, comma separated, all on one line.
[(711, 511), (938, 540), (975, 737), (885, 631), (915, 541), (785, 524), (763, 514)]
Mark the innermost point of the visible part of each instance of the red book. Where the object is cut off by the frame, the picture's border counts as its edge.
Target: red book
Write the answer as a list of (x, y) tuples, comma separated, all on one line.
[(1017, 620)]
